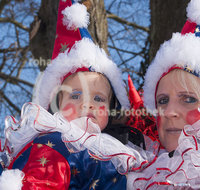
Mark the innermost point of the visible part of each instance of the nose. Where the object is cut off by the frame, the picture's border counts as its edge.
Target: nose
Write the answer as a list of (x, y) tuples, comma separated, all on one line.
[(171, 110), (87, 105)]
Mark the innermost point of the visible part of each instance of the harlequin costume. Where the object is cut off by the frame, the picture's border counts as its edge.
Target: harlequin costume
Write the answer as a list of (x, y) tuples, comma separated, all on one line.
[(178, 169), (46, 151)]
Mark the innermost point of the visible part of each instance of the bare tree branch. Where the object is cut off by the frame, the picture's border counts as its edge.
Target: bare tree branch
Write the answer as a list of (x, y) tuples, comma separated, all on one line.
[(123, 21), (9, 101), (14, 80), (111, 39), (3, 3), (22, 61), (125, 51), (11, 49), (18, 24)]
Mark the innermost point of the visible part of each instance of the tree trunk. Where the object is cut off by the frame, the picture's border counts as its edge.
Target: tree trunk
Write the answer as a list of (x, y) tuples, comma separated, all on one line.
[(98, 27), (43, 29), (167, 16)]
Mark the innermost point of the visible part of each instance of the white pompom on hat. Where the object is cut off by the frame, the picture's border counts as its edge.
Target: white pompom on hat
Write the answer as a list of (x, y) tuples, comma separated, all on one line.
[(75, 16), (182, 51), (75, 51), (11, 180)]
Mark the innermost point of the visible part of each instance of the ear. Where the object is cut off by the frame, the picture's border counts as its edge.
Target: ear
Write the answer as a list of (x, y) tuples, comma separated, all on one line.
[(60, 98)]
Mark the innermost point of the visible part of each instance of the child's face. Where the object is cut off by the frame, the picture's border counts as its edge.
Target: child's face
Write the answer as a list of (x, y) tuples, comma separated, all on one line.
[(86, 94)]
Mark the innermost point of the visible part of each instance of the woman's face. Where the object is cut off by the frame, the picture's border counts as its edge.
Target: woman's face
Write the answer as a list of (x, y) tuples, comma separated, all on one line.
[(174, 104)]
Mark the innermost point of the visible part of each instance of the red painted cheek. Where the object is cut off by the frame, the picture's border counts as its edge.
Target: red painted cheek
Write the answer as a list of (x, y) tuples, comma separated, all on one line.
[(69, 112), (102, 111), (158, 119), (193, 116), (103, 108)]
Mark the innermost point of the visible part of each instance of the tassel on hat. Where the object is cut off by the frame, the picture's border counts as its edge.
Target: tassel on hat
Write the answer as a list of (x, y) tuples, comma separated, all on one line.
[(75, 51), (182, 51)]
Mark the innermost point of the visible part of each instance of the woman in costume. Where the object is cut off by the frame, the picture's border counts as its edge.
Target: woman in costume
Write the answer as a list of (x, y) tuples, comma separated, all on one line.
[(67, 150), (172, 87)]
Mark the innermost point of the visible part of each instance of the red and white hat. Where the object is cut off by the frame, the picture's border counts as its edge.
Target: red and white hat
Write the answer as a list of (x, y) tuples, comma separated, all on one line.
[(182, 51), (75, 51)]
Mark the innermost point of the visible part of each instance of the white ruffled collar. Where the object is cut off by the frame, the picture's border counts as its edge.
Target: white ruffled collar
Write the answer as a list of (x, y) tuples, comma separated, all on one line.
[(78, 135), (182, 171)]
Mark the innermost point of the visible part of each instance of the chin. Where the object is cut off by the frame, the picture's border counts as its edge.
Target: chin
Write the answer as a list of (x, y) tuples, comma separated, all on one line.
[(93, 120), (171, 148)]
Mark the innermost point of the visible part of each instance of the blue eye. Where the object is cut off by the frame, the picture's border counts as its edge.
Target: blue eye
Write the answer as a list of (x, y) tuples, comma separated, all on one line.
[(99, 99), (163, 100), (75, 95), (189, 99)]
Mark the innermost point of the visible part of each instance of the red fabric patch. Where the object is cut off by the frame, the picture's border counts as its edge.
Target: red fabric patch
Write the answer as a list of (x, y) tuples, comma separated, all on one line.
[(63, 36), (189, 27), (46, 169), (82, 69), (144, 122), (158, 121)]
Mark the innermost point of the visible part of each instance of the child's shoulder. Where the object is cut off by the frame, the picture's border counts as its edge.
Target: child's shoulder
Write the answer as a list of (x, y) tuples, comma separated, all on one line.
[(43, 138), (53, 140)]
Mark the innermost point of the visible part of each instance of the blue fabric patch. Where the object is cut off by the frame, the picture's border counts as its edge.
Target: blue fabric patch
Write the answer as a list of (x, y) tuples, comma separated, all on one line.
[(21, 161), (84, 33), (91, 69), (56, 139), (1, 169), (187, 69), (197, 31)]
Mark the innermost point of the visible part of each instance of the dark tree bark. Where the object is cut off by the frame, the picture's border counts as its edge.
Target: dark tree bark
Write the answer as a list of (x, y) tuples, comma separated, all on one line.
[(43, 29), (167, 16), (98, 27)]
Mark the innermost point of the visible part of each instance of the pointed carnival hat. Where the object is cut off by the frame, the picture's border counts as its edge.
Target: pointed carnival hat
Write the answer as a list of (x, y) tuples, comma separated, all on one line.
[(182, 51), (75, 51)]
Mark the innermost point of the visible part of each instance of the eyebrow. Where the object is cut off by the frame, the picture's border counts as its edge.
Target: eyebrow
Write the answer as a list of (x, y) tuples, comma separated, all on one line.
[(76, 92), (179, 94), (186, 92), (161, 95), (77, 89), (102, 94)]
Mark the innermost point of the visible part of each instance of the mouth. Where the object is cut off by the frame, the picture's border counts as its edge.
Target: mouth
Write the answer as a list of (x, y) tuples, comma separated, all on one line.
[(173, 130), (90, 115)]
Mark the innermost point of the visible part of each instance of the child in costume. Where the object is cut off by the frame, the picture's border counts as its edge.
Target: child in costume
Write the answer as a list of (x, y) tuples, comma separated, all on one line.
[(172, 86), (67, 150)]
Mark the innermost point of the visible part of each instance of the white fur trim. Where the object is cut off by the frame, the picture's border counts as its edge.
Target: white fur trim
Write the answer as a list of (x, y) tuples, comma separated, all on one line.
[(193, 11), (75, 16), (11, 180), (83, 54), (181, 50)]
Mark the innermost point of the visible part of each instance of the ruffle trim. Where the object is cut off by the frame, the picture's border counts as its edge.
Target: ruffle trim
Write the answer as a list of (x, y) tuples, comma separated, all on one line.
[(182, 171), (78, 135)]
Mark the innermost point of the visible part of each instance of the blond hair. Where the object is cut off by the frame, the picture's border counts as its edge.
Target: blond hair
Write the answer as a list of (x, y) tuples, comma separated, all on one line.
[(178, 75)]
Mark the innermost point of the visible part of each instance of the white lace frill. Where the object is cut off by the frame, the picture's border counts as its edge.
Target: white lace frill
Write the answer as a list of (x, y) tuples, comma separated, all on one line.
[(182, 171), (77, 135)]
